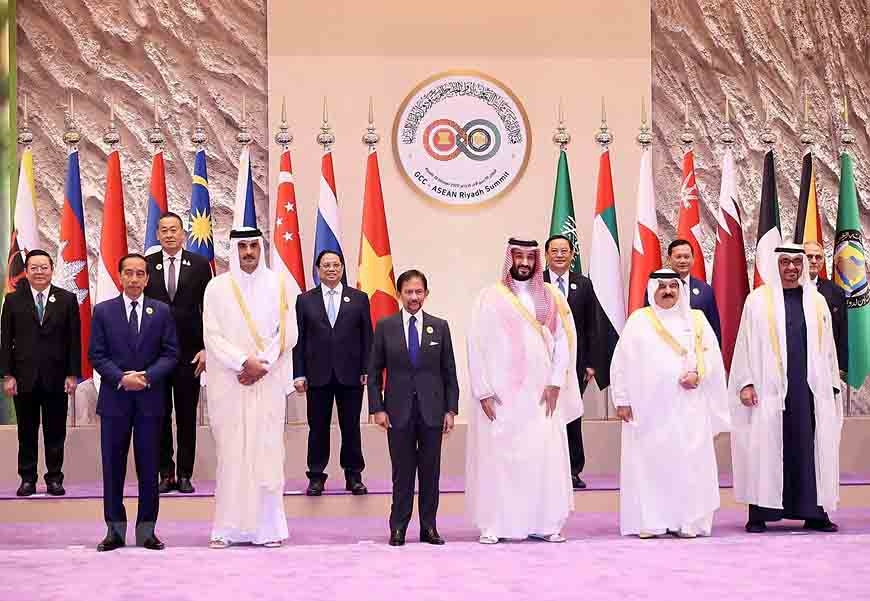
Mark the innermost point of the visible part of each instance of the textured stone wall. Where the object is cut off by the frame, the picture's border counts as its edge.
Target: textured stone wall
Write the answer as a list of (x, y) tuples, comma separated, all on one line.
[(760, 53)]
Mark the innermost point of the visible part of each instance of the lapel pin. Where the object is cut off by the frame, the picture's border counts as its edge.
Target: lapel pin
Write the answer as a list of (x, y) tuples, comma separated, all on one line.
[(695, 291), (347, 299), (149, 310), (429, 330), (51, 299), (573, 286), (159, 267)]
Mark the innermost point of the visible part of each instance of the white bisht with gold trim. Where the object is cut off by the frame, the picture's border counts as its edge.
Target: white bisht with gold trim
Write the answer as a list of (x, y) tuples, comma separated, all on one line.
[(249, 314), (518, 472)]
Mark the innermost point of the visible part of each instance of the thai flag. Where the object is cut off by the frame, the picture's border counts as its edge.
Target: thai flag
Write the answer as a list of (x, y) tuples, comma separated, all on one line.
[(157, 204), (327, 233), (244, 212)]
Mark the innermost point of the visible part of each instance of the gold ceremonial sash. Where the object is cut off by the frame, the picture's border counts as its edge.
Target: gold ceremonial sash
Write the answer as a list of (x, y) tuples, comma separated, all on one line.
[(282, 310), (562, 306), (771, 327), (246, 314), (697, 333), (514, 300)]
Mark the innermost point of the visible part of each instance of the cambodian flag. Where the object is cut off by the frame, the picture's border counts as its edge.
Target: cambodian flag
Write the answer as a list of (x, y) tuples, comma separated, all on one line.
[(327, 235), (199, 238), (157, 204)]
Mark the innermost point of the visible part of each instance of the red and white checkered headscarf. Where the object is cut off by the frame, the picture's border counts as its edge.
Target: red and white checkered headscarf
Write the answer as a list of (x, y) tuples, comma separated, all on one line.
[(545, 304)]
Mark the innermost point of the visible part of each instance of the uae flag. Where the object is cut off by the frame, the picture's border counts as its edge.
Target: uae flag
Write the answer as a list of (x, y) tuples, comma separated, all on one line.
[(562, 220), (646, 251), (730, 277), (286, 245), (809, 225), (25, 236), (605, 271), (689, 222), (769, 233)]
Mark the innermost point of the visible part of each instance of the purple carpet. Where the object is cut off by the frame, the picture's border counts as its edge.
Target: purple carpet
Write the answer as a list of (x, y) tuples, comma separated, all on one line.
[(337, 559)]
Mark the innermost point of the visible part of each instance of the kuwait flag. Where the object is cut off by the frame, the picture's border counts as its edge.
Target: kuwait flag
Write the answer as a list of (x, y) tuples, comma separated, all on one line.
[(375, 257), (646, 252), (809, 226), (769, 233), (730, 277), (157, 204), (562, 221), (850, 274), (244, 211), (689, 223), (25, 235), (113, 240), (286, 245), (71, 267), (327, 231), (605, 270)]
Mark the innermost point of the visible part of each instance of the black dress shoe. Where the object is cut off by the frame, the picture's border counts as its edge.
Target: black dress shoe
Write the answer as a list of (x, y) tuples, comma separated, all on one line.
[(821, 525), (153, 543), (578, 483), (55, 489), (315, 487), (167, 485), (356, 486), (110, 543), (26, 489), (431, 536), (756, 527), (397, 538), (184, 486)]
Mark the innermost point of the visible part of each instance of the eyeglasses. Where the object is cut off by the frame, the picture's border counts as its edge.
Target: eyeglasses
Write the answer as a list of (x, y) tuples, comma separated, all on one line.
[(39, 268)]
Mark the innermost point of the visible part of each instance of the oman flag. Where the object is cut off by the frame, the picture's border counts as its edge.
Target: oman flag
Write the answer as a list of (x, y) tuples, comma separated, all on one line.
[(157, 204), (113, 240), (689, 223), (769, 232), (646, 251), (286, 245), (376, 276)]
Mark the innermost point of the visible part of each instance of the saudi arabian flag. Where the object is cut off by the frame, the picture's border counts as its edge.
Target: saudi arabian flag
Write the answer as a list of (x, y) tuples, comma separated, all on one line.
[(850, 274), (562, 221)]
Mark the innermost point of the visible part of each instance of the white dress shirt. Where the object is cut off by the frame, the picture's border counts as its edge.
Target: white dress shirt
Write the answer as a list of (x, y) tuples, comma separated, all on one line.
[(406, 322), (336, 298), (45, 294), (139, 308), (566, 278), (177, 257)]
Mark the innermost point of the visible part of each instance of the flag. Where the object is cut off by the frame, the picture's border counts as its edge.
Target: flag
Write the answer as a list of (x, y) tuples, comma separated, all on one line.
[(730, 277), (809, 226), (605, 269), (646, 252), (286, 245), (850, 274), (327, 232), (71, 267), (244, 211), (113, 238), (562, 220), (25, 234), (689, 222), (769, 233), (157, 205), (199, 239), (376, 276)]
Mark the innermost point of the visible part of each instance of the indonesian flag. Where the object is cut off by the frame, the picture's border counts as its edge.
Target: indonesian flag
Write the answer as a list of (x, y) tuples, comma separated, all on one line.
[(25, 236), (113, 239), (689, 223), (157, 205), (769, 233), (730, 279), (375, 257), (286, 245), (646, 252)]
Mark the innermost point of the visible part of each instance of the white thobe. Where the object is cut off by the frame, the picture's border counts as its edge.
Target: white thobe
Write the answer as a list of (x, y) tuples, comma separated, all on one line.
[(248, 421), (518, 473), (668, 475)]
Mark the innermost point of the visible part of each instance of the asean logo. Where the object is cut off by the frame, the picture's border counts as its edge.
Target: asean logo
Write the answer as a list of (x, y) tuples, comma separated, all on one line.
[(461, 138)]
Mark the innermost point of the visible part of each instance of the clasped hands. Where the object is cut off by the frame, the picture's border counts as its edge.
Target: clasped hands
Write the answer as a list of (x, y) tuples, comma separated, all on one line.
[(548, 398), (133, 381), (253, 369)]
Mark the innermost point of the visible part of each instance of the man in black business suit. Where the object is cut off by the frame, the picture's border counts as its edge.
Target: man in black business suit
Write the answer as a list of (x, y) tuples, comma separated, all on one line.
[(416, 405), (40, 364), (836, 300), (329, 362), (178, 278), (586, 310), (134, 349)]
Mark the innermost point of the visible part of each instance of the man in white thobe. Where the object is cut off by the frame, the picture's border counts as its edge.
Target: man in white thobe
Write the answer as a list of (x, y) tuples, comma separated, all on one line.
[(783, 390), (250, 330), (673, 407), (522, 355)]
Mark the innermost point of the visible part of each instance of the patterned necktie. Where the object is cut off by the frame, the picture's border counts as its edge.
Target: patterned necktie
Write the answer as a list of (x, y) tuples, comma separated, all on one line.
[(561, 282), (413, 341), (40, 306), (134, 321), (170, 285), (330, 307)]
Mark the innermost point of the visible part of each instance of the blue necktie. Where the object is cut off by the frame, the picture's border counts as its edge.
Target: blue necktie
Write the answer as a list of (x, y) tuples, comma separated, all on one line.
[(330, 308), (40, 307), (413, 341), (134, 322), (561, 282)]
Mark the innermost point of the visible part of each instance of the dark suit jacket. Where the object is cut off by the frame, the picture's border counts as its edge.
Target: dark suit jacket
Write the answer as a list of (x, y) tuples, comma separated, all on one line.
[(48, 352), (112, 353), (194, 276), (836, 299), (434, 379), (704, 301), (322, 350)]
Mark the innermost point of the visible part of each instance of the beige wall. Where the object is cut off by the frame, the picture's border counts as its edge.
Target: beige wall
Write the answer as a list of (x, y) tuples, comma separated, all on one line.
[(557, 52)]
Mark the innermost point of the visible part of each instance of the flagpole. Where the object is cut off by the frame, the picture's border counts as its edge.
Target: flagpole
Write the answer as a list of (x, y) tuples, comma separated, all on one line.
[(155, 134), (325, 138), (198, 136), (72, 137), (111, 137), (847, 138), (687, 136), (604, 137), (561, 137)]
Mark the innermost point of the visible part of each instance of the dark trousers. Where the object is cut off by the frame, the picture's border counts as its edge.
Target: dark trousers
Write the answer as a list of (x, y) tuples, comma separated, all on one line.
[(52, 407), (415, 450), (115, 434), (575, 446), (348, 399), (182, 390)]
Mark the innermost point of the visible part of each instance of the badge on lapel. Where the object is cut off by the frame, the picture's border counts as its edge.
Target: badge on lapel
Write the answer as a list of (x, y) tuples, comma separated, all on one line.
[(347, 299), (51, 298), (695, 291), (149, 310), (573, 286), (159, 266), (429, 330)]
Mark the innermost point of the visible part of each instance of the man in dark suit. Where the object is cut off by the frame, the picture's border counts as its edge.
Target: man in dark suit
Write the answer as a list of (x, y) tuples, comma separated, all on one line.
[(178, 278), (40, 363), (586, 310), (134, 349), (329, 362), (416, 405), (836, 299)]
